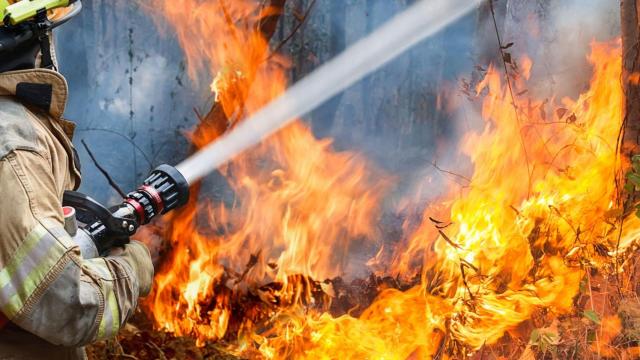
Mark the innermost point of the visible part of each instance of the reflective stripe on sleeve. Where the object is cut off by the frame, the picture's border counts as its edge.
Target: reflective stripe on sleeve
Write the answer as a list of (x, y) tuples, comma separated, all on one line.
[(31, 263), (110, 322)]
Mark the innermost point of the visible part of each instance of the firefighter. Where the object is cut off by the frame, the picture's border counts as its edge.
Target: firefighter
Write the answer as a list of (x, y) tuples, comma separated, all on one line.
[(53, 301)]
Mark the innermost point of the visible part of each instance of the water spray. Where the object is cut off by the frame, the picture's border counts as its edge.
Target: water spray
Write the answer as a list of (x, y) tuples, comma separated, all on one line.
[(405, 30), (167, 187)]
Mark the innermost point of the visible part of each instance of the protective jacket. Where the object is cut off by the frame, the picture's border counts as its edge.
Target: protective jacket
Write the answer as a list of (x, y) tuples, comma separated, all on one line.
[(53, 299)]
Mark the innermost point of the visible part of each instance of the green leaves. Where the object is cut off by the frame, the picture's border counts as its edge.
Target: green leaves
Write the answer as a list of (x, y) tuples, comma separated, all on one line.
[(633, 179), (635, 162), (593, 316), (544, 340)]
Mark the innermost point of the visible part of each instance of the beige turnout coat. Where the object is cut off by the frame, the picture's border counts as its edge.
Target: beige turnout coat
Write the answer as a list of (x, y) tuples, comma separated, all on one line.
[(55, 300)]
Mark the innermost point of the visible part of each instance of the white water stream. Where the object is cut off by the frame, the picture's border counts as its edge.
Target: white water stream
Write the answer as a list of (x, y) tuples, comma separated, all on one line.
[(405, 30)]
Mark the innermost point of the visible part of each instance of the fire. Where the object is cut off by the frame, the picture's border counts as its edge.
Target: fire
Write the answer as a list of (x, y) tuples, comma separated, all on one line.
[(517, 240), (535, 211), (299, 206), (541, 188)]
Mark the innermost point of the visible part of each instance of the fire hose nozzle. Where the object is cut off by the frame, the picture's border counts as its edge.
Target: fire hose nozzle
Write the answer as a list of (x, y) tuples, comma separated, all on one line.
[(163, 190)]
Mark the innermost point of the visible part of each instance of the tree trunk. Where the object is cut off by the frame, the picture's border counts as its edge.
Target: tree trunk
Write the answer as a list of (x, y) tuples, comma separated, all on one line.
[(215, 123), (630, 65)]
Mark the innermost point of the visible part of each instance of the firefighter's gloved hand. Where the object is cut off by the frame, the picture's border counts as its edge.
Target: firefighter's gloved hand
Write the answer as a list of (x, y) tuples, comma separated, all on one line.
[(137, 255)]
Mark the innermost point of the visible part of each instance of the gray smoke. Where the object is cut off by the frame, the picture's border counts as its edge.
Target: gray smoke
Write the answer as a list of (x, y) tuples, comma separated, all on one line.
[(399, 34)]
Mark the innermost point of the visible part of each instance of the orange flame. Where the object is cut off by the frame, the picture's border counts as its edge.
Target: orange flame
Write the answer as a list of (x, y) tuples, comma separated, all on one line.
[(520, 234), (299, 206), (536, 212)]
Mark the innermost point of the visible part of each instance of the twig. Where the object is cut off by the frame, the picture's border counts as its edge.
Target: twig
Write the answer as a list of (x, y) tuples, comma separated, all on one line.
[(121, 354), (575, 231), (470, 265), (593, 308), (617, 258), (466, 285), (482, 351), (513, 98), (435, 165), (162, 356), (446, 238), (128, 139), (104, 172), (294, 31), (198, 115)]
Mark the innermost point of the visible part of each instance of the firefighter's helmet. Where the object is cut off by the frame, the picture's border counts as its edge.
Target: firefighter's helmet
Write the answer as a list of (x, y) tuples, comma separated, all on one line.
[(25, 31)]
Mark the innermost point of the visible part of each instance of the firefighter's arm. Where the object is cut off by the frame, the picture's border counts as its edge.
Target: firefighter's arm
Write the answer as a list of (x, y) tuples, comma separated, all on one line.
[(46, 287)]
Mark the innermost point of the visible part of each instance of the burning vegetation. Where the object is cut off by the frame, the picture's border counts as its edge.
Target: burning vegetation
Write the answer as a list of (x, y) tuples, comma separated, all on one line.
[(532, 257)]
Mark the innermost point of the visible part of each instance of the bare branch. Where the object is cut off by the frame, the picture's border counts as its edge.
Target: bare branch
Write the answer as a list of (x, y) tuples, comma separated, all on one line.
[(104, 172), (302, 21)]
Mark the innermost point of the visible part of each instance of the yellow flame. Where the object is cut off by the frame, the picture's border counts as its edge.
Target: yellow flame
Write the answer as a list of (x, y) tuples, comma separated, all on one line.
[(534, 214), (541, 187)]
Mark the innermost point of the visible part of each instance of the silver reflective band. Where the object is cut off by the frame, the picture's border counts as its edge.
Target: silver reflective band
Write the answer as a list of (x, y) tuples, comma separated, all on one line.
[(37, 255)]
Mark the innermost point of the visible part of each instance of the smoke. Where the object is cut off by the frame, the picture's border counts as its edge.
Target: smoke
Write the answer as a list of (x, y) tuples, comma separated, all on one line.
[(557, 36), (364, 57), (395, 116), (149, 77), (129, 94)]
